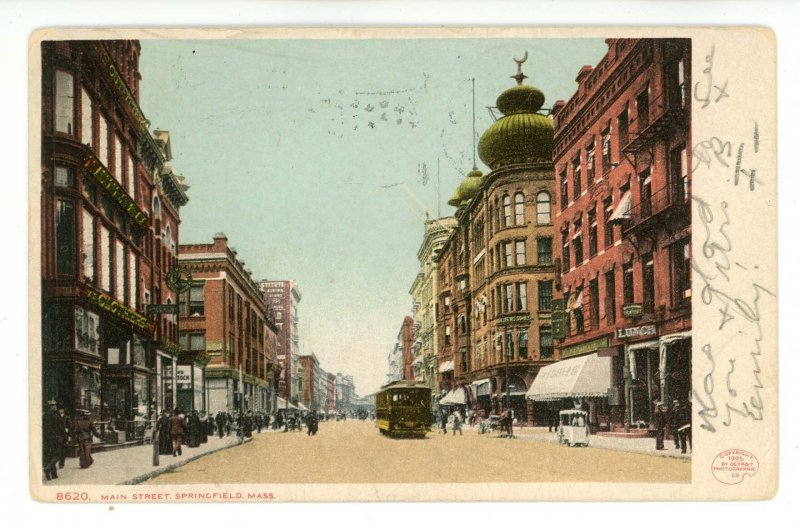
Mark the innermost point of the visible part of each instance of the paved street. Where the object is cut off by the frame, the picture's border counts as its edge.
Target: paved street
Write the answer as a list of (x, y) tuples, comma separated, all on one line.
[(355, 452)]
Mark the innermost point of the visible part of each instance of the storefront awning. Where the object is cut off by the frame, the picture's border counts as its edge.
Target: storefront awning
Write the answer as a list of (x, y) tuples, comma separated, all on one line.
[(447, 366), (455, 397), (644, 345), (281, 403), (585, 376), (663, 345), (671, 338), (482, 387), (301, 406), (623, 209)]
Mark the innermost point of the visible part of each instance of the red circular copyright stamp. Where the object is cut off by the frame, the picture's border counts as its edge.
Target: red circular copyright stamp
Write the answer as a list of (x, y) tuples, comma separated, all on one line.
[(733, 465)]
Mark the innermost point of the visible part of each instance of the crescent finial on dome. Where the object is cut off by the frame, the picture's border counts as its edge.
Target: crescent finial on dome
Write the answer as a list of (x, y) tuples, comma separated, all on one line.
[(520, 76)]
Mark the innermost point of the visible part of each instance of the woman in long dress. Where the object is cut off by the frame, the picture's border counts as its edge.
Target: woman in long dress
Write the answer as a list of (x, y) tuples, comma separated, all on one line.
[(84, 430)]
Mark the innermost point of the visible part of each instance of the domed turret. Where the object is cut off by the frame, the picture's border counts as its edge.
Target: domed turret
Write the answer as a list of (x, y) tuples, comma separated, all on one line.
[(521, 135), (467, 189)]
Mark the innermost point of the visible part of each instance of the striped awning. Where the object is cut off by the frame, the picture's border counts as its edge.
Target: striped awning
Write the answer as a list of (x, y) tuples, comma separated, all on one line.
[(585, 376)]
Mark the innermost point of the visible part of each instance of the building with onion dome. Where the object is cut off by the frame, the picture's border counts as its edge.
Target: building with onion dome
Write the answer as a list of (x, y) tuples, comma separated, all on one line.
[(496, 268)]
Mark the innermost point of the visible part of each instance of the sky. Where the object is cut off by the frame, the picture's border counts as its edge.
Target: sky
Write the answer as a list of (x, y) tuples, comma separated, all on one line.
[(321, 159)]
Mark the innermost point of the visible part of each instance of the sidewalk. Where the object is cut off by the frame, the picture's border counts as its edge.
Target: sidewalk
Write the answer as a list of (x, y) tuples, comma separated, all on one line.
[(645, 445), (133, 465)]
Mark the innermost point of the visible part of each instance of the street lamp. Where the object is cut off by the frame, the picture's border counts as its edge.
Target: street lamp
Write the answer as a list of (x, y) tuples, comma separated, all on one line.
[(508, 352)]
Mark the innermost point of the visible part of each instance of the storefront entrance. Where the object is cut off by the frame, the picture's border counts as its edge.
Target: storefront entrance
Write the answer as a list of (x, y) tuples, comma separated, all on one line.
[(643, 359)]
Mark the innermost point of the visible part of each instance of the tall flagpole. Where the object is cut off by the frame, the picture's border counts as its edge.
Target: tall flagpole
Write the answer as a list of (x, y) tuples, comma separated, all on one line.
[(474, 164), (438, 191)]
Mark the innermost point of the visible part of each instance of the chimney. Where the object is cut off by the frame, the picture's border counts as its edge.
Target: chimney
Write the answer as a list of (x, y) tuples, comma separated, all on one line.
[(220, 242)]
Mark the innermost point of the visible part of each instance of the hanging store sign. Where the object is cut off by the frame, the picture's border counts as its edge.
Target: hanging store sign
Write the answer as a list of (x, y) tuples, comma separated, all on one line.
[(558, 319), (632, 310), (179, 279), (636, 331), (118, 193), (611, 351), (117, 309), (162, 308)]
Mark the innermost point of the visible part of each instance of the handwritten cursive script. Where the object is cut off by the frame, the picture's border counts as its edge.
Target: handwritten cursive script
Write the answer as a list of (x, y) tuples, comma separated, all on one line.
[(706, 89), (738, 302)]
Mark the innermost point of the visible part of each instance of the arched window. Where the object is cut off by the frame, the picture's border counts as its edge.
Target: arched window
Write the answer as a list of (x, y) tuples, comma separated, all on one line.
[(507, 210), (168, 240), (519, 209), (543, 208), (156, 207)]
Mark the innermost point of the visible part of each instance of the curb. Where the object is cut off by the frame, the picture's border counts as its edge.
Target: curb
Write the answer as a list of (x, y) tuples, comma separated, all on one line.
[(641, 452), (169, 468)]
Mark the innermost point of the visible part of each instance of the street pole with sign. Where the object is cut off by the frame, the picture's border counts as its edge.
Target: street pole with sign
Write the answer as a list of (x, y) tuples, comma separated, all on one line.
[(179, 280)]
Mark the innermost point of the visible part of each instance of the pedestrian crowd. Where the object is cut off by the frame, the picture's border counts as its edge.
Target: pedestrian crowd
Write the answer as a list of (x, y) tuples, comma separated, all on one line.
[(172, 431)]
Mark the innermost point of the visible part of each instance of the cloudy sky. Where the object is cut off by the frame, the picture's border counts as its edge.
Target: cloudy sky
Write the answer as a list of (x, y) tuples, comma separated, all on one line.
[(320, 160)]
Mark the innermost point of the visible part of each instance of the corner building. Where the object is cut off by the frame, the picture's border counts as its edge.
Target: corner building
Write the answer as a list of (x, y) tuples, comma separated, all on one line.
[(496, 268), (226, 329), (623, 154), (110, 216)]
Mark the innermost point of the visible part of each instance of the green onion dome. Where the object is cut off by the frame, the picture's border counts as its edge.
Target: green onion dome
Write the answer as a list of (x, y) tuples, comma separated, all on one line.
[(468, 188), (522, 135)]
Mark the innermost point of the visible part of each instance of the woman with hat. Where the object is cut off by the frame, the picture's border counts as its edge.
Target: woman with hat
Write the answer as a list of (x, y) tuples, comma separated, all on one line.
[(84, 430)]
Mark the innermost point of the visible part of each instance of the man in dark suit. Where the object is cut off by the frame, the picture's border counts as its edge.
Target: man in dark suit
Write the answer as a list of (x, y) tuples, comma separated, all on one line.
[(683, 425), (222, 421), (52, 440), (66, 429), (177, 430), (660, 422)]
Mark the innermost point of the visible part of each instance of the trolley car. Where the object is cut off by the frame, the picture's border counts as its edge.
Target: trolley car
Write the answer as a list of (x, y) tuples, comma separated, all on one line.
[(403, 408)]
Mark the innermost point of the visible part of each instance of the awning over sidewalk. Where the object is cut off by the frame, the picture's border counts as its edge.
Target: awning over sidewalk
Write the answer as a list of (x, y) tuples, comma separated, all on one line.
[(447, 366), (585, 376), (281, 403), (455, 397), (482, 387)]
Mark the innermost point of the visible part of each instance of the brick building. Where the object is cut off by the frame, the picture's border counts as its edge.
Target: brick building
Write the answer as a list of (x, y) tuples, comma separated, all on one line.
[(284, 297), (109, 231), (226, 323), (496, 268), (622, 154)]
